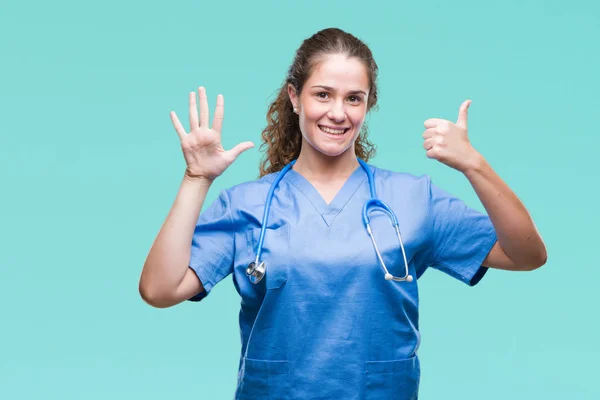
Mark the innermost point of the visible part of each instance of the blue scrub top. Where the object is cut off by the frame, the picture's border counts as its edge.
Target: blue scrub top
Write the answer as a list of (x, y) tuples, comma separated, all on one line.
[(324, 323)]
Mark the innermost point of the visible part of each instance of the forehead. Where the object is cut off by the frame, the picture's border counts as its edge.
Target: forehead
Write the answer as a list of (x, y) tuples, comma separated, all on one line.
[(340, 72)]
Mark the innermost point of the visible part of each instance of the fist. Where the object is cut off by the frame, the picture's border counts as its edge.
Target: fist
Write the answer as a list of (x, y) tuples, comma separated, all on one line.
[(448, 142)]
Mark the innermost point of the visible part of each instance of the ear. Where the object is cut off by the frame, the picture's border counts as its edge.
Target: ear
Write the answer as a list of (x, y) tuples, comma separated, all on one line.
[(293, 95)]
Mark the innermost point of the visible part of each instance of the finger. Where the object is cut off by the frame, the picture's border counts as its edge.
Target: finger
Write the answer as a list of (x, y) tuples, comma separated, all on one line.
[(239, 149), (204, 114), (463, 113), (429, 143), (193, 111), (429, 133), (219, 112), (433, 122), (177, 124), (433, 153)]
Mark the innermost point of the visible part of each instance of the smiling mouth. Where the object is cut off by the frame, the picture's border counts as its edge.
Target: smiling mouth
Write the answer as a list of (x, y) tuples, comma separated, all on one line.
[(332, 131)]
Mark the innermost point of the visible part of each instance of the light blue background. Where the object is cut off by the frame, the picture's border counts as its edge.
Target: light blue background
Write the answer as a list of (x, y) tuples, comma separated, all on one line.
[(90, 165)]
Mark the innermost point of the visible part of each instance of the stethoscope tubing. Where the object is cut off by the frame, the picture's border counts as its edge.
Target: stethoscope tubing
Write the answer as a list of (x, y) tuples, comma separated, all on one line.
[(257, 269)]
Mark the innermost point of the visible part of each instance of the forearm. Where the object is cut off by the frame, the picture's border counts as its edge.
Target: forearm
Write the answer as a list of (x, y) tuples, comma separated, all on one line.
[(516, 231), (168, 259)]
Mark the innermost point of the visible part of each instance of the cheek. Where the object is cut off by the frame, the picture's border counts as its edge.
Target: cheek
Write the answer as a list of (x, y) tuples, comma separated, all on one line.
[(309, 118), (357, 117), (314, 112)]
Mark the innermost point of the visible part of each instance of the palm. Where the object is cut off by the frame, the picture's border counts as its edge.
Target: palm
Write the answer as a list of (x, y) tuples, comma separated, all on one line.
[(204, 155)]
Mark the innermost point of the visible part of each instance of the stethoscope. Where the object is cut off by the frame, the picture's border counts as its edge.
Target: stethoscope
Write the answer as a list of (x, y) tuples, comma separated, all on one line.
[(256, 270)]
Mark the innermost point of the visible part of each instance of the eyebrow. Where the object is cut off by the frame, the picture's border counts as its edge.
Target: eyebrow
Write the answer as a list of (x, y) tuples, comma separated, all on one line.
[(333, 90)]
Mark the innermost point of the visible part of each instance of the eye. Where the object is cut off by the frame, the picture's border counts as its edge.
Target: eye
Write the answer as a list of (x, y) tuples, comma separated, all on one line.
[(322, 95), (355, 99)]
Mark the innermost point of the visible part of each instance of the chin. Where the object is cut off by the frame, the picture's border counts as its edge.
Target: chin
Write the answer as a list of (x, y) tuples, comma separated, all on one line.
[(334, 152), (331, 149)]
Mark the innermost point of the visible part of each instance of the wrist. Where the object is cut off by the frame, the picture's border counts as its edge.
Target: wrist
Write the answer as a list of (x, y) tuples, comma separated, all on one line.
[(197, 180), (475, 165)]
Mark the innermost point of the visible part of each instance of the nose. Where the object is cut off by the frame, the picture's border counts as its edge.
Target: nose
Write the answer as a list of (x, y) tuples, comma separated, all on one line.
[(337, 112)]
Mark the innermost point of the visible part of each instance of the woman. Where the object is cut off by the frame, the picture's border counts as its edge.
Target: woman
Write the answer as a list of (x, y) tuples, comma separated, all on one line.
[(327, 320)]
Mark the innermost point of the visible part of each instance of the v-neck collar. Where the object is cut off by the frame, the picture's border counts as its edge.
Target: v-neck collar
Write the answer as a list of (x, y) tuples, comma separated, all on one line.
[(328, 211)]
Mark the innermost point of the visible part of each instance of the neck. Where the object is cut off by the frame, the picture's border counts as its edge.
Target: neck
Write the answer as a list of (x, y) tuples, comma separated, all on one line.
[(317, 166)]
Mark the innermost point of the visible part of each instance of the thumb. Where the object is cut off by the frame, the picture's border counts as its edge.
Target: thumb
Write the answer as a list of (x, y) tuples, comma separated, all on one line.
[(239, 149), (463, 113)]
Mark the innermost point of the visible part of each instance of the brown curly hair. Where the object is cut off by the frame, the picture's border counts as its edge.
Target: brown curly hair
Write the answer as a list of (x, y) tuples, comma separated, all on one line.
[(282, 136)]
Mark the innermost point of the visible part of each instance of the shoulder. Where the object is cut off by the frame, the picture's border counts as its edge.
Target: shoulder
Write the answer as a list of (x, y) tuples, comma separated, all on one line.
[(408, 189), (400, 180), (249, 192)]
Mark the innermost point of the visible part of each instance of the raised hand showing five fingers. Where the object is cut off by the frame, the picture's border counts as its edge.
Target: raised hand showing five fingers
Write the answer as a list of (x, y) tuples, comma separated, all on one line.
[(448, 142), (204, 155)]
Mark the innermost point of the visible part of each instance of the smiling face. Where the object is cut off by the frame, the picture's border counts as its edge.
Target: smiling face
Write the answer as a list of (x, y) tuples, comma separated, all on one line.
[(332, 105)]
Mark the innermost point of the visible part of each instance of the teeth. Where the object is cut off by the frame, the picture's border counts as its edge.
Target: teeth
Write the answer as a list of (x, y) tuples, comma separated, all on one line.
[(332, 131)]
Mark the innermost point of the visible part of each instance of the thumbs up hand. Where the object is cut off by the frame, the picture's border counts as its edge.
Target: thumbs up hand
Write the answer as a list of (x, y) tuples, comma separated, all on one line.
[(448, 142)]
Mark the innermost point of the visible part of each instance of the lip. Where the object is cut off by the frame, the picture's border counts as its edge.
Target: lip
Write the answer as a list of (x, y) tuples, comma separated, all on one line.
[(334, 136), (334, 127)]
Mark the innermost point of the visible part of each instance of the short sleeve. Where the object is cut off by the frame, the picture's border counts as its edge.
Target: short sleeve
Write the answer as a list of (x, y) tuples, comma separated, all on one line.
[(213, 245), (461, 237)]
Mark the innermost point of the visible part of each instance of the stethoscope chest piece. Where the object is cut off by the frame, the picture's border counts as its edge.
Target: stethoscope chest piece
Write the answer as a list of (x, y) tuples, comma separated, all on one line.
[(256, 272)]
